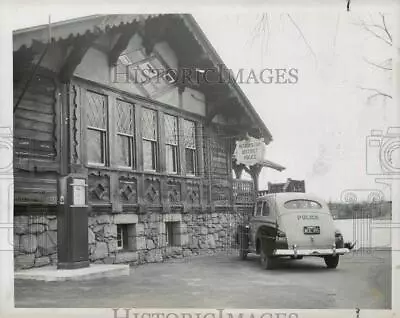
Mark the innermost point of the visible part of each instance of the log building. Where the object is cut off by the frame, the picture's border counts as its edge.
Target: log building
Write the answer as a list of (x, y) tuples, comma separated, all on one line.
[(122, 147)]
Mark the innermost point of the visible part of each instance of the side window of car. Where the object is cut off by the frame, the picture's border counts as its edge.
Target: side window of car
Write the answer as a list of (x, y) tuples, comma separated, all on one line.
[(265, 210), (259, 208)]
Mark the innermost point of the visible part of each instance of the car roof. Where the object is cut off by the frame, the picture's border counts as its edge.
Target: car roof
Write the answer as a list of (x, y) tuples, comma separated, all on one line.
[(283, 197)]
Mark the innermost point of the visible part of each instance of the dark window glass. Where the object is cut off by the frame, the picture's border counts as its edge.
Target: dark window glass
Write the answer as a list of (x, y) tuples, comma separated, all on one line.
[(265, 211)]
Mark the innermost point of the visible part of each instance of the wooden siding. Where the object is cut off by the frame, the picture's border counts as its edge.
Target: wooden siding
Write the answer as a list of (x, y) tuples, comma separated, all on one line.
[(35, 128), (36, 160)]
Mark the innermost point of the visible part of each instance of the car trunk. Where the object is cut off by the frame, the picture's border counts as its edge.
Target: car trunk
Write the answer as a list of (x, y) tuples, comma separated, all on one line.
[(294, 223)]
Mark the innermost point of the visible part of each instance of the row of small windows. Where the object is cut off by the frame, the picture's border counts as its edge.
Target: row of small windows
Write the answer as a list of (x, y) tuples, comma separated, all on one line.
[(126, 235), (98, 144)]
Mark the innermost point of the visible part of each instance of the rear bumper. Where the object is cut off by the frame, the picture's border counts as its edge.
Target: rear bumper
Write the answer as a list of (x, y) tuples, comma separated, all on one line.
[(316, 252)]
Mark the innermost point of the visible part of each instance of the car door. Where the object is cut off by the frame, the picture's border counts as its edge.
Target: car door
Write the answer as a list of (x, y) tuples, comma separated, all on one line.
[(255, 222), (263, 219)]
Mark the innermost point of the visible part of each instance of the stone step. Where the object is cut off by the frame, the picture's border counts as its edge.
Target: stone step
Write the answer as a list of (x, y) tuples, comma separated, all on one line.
[(94, 271)]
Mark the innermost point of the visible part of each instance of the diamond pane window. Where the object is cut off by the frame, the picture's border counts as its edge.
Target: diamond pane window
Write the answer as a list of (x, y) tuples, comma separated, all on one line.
[(96, 110), (125, 117), (150, 134), (149, 124), (171, 130), (96, 118), (189, 132), (190, 146), (125, 134), (171, 140)]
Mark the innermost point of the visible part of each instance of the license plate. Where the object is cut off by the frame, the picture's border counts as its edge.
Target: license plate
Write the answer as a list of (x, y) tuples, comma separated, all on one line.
[(312, 230)]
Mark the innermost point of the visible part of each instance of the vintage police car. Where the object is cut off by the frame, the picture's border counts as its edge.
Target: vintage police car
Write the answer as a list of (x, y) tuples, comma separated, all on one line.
[(291, 225)]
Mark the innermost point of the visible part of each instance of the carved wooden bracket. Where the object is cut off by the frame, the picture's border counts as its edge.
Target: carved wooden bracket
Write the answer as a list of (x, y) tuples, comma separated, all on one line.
[(127, 33), (216, 107), (238, 169), (149, 31), (254, 172), (81, 46)]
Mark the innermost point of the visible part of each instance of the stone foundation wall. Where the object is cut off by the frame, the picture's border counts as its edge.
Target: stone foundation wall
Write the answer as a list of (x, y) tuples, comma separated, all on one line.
[(35, 241), (35, 238), (196, 234)]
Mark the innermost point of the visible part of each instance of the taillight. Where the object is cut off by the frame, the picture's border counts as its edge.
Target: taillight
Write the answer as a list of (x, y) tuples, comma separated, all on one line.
[(281, 234)]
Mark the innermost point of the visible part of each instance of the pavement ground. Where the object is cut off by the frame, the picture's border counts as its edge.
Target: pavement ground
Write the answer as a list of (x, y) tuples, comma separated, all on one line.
[(224, 281)]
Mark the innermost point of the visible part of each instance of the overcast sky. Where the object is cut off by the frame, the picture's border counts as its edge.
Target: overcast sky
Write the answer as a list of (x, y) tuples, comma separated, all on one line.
[(320, 124)]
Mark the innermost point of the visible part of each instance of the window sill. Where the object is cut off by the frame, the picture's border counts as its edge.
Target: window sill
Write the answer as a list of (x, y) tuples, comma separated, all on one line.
[(125, 250)]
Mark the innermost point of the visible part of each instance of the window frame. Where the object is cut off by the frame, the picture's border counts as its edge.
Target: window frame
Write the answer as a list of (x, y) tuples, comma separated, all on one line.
[(318, 207), (259, 204), (193, 149), (174, 146), (154, 143), (131, 137), (104, 132), (109, 134), (124, 237)]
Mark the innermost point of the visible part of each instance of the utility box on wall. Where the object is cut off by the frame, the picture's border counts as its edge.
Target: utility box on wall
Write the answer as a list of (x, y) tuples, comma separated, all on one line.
[(72, 224)]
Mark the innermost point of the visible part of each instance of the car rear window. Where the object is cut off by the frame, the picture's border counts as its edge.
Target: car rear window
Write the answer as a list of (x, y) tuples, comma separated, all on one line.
[(302, 204)]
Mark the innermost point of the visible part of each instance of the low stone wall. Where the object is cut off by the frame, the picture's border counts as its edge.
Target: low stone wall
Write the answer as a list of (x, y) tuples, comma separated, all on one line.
[(196, 234), (35, 237), (35, 241)]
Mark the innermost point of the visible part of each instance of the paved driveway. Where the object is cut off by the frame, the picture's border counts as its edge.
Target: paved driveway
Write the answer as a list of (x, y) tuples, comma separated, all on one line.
[(226, 282)]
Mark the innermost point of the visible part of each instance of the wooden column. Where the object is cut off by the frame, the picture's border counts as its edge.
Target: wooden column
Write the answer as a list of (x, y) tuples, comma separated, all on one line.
[(254, 172)]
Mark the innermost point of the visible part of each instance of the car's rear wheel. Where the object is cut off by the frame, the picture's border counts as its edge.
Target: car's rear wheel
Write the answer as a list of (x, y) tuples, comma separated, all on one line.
[(331, 261), (267, 262)]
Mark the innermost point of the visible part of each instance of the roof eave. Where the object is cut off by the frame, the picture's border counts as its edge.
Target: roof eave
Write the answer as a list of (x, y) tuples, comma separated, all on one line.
[(216, 59)]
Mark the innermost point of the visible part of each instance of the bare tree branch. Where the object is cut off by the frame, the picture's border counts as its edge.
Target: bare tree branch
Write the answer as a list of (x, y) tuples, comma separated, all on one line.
[(378, 93), (302, 36), (386, 29), (371, 28), (382, 65)]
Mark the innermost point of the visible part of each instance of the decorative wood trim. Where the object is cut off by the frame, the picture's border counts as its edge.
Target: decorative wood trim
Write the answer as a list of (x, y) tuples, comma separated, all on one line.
[(75, 124), (80, 47), (81, 97), (122, 43), (65, 123), (215, 108), (57, 121)]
